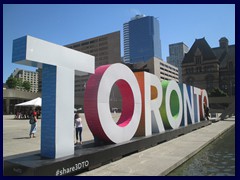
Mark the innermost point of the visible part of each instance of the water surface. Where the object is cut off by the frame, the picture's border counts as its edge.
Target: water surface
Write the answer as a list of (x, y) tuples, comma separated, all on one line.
[(216, 159)]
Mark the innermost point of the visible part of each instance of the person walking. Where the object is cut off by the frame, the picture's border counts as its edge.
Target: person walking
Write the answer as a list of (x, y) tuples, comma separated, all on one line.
[(78, 128), (206, 111), (33, 123)]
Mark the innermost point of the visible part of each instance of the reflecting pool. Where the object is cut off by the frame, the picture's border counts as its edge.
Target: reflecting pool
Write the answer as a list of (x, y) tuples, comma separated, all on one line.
[(216, 159)]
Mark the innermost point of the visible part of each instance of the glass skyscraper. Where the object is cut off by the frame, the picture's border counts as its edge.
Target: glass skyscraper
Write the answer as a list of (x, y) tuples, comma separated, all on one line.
[(141, 39)]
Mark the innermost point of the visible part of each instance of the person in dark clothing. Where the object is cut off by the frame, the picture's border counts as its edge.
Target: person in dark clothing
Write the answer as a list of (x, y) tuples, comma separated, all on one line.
[(206, 109)]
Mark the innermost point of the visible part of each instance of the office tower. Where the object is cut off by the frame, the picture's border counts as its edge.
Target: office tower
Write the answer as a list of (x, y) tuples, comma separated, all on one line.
[(141, 39), (106, 49), (176, 55)]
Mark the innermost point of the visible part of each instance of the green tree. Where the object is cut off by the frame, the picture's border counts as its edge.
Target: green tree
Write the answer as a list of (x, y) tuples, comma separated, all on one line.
[(216, 92), (19, 82), (26, 85), (12, 82)]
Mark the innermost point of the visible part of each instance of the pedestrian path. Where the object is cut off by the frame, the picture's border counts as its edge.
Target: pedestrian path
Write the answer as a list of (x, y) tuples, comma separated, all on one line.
[(16, 135), (163, 158)]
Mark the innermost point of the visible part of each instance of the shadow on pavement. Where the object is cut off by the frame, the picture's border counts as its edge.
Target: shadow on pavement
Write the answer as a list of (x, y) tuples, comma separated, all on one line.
[(23, 138)]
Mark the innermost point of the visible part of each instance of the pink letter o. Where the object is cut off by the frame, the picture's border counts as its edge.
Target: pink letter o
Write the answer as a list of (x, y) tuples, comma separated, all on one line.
[(96, 103)]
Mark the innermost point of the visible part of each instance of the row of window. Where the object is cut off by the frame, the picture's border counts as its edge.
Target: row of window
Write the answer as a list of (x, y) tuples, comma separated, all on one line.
[(80, 85), (31, 75), (164, 78), (167, 70), (102, 58), (169, 75), (209, 85), (168, 67), (94, 46), (80, 90), (91, 42), (30, 78), (200, 69), (102, 63), (27, 76)]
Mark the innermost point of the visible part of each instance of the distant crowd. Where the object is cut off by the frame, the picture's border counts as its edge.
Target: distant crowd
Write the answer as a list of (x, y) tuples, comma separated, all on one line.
[(26, 113)]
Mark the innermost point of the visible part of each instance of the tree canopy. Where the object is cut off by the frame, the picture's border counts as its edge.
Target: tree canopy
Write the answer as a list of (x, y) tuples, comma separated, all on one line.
[(26, 85), (13, 83), (216, 92)]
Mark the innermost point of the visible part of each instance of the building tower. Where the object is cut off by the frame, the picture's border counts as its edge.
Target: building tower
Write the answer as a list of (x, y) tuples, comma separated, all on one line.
[(176, 55), (141, 39), (106, 49)]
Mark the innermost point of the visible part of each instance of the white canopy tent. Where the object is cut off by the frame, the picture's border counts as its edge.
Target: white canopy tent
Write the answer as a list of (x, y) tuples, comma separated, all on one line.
[(33, 102), (38, 102)]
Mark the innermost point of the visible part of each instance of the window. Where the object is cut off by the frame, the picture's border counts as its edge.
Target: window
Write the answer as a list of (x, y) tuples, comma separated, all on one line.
[(209, 82), (76, 45), (230, 66), (103, 43), (199, 69), (103, 38), (85, 43), (198, 59), (103, 48), (93, 41)]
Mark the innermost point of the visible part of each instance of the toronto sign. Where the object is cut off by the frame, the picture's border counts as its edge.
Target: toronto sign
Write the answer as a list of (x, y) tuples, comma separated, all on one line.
[(149, 106)]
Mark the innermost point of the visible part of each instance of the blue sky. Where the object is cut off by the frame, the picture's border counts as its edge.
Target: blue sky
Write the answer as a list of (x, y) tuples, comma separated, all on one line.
[(65, 24)]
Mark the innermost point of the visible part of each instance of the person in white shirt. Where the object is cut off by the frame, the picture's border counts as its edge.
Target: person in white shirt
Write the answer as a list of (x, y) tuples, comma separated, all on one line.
[(78, 127)]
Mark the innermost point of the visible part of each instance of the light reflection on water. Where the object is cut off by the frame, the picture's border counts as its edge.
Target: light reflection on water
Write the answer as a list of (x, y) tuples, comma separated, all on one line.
[(216, 159)]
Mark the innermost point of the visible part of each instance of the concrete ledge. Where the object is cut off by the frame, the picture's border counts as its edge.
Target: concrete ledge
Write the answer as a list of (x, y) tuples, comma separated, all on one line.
[(165, 157)]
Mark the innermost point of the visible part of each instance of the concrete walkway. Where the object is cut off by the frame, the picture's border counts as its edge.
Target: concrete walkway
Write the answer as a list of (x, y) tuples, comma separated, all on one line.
[(163, 158), (16, 135), (158, 160)]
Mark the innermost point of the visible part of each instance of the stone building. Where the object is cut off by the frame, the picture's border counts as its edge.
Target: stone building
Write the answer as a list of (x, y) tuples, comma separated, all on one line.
[(209, 68)]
